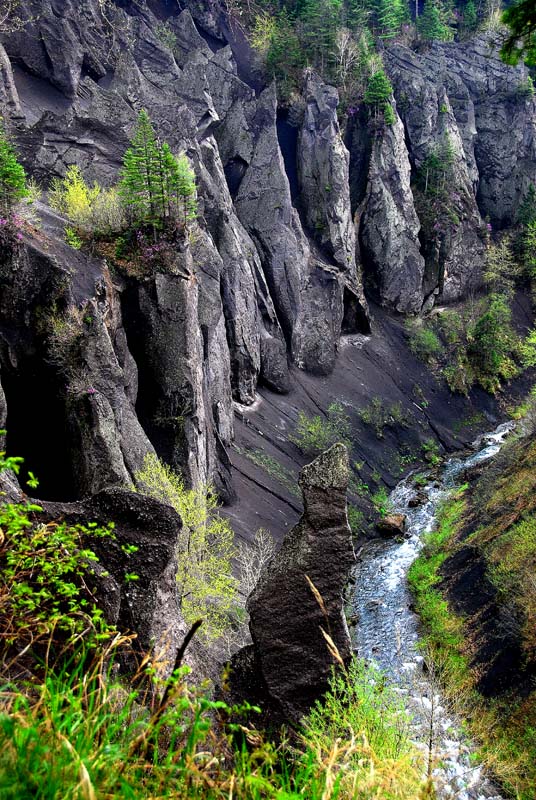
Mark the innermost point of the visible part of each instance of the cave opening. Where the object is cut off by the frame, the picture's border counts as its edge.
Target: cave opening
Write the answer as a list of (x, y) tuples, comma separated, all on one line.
[(355, 318), (37, 428)]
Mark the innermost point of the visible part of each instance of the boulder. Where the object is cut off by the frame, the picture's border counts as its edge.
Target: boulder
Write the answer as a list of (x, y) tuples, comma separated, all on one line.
[(392, 525)]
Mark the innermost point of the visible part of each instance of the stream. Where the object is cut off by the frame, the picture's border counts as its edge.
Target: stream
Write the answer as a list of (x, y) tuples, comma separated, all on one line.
[(387, 631)]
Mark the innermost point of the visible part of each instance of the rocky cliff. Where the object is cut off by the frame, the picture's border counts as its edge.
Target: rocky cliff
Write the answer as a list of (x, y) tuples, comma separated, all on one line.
[(270, 284)]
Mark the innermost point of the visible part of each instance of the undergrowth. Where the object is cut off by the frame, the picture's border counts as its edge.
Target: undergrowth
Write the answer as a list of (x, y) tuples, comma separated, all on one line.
[(75, 725), (496, 519)]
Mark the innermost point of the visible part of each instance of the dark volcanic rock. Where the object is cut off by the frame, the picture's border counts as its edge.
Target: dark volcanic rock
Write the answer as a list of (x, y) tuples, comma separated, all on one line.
[(286, 621), (147, 606)]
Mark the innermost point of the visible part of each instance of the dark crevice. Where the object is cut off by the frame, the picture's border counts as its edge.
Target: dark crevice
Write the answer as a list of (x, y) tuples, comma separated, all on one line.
[(355, 318), (287, 136), (37, 427)]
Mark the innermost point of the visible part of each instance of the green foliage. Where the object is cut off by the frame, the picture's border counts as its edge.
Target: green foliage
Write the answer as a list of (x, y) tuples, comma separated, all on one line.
[(430, 449), (315, 434), (360, 705), (12, 175), (423, 341), (380, 415), (204, 576), (92, 209), (81, 734), (502, 269), (46, 573), (378, 97), (443, 637), (492, 345), (165, 34), (527, 210), (157, 188), (72, 238), (470, 17), (520, 17), (433, 23), (355, 520), (389, 16), (381, 502)]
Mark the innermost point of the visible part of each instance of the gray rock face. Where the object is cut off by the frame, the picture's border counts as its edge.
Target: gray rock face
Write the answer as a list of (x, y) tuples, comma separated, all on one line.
[(9, 98), (286, 620), (389, 226)]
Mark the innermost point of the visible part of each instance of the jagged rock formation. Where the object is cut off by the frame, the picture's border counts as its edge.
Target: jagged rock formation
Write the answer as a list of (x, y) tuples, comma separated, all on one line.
[(290, 655), (271, 274), (251, 290), (389, 223), (456, 93)]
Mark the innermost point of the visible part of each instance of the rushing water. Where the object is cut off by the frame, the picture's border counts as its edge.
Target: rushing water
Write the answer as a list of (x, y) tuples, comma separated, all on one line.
[(387, 631)]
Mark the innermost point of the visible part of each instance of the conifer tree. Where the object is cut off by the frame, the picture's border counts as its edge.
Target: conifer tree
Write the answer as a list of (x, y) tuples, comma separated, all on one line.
[(378, 96), (470, 18), (12, 175), (389, 15), (139, 172), (432, 25), (155, 185)]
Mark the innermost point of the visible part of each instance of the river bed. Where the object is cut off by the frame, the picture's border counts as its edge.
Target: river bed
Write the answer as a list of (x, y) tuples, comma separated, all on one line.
[(387, 631)]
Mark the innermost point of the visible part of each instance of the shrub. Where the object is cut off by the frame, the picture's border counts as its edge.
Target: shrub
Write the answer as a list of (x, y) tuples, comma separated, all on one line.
[(316, 434), (423, 342), (12, 175), (204, 577), (355, 520), (381, 502), (379, 415), (72, 238), (430, 449), (91, 209)]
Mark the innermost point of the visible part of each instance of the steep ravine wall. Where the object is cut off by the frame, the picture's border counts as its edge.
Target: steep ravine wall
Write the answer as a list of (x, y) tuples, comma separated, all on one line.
[(194, 358)]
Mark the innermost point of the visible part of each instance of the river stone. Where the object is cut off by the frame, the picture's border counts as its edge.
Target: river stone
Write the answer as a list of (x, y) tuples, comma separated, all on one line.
[(392, 525), (286, 621)]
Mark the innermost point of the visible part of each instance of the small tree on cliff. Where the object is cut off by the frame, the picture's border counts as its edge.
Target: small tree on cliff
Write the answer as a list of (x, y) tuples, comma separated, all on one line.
[(157, 187), (378, 96), (12, 175)]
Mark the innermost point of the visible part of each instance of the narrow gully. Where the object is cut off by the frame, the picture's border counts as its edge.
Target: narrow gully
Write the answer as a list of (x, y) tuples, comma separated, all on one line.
[(388, 633)]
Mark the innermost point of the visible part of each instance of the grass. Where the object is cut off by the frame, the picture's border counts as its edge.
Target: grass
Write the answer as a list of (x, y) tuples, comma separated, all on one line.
[(75, 726), (444, 636), (80, 734)]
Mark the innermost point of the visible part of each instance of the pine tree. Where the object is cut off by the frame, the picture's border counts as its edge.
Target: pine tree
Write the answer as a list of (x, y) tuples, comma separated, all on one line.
[(140, 173), (470, 18), (389, 15), (155, 185), (432, 25), (378, 96), (12, 175)]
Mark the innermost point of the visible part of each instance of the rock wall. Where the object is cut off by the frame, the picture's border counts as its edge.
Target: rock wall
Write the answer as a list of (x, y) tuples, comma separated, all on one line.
[(290, 660), (270, 277)]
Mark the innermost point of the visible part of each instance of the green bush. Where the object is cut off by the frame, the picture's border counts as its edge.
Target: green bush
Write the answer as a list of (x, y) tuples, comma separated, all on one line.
[(316, 434), (423, 342), (12, 175), (205, 583)]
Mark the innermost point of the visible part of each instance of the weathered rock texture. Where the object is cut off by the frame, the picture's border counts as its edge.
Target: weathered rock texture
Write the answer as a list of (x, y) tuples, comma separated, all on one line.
[(414, 250), (389, 223), (286, 619), (248, 293), (149, 605)]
